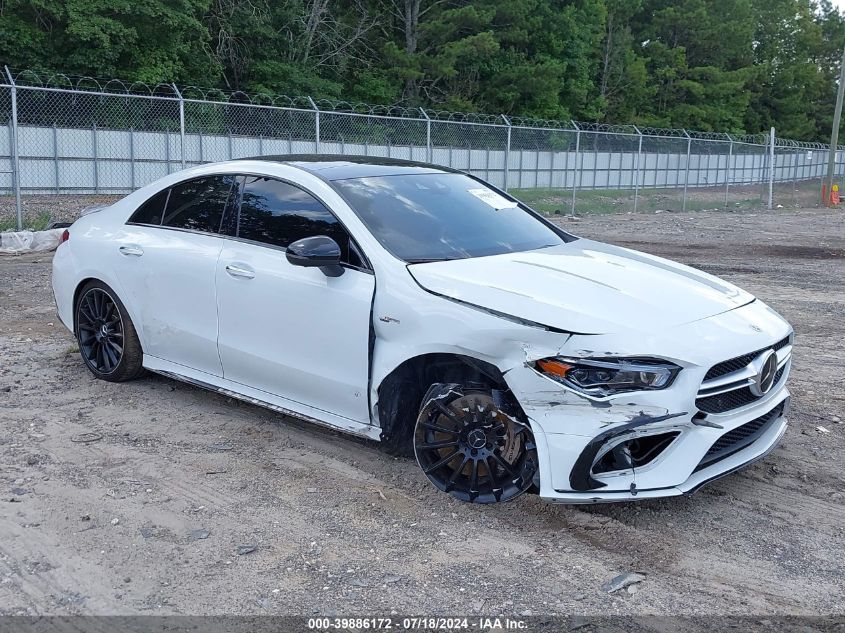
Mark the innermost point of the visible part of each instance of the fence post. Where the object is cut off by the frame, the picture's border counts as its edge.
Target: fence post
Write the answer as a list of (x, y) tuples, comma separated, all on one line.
[(763, 160), (16, 159), (686, 176), (487, 163), (507, 152), (428, 152), (181, 125), (771, 164), (576, 174), (316, 125), (167, 158), (56, 157), (637, 172), (728, 167), (132, 158), (96, 159)]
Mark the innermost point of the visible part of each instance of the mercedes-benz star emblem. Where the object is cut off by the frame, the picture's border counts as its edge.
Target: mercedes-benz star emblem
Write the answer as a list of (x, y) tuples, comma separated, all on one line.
[(766, 367)]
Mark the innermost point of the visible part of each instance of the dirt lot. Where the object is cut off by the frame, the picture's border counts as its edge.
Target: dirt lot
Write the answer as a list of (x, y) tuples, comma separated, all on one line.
[(150, 517)]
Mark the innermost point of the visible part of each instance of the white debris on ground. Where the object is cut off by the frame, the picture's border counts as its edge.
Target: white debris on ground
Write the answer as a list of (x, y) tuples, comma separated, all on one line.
[(21, 242)]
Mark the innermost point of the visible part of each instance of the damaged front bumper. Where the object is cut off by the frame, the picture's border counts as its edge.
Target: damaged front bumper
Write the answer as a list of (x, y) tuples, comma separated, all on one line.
[(567, 461), (649, 444)]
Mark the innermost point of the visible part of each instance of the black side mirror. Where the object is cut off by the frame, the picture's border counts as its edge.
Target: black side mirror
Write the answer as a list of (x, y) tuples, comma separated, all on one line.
[(319, 251)]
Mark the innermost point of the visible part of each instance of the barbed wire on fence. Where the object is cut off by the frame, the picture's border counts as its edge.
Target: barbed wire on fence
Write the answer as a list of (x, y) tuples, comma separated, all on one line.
[(69, 134), (28, 78)]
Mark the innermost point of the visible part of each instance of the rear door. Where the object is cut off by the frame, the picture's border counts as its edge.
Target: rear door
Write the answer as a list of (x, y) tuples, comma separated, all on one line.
[(166, 260), (288, 330)]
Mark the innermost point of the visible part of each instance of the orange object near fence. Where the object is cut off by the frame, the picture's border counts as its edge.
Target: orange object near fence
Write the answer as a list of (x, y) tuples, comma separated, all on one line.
[(832, 199)]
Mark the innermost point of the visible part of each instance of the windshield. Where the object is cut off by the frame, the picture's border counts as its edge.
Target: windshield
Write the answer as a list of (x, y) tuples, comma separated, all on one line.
[(433, 217)]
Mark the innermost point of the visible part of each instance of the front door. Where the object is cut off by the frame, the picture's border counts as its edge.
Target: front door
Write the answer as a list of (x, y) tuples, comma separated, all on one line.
[(287, 330)]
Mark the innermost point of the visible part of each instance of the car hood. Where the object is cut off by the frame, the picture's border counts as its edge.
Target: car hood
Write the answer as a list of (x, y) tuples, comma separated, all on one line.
[(584, 287)]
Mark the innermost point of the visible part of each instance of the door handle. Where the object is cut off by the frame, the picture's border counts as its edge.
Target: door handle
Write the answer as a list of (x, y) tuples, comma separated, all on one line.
[(238, 271), (131, 250)]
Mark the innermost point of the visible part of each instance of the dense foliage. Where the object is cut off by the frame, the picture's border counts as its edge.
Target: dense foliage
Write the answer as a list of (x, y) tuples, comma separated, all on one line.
[(730, 65)]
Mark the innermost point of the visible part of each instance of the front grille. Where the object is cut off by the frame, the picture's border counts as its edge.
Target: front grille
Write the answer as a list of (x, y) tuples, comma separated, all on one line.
[(781, 344), (726, 401), (732, 399), (737, 363), (740, 437)]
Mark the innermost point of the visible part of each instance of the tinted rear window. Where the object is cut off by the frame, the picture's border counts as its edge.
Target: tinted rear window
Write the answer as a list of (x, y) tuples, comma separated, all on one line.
[(198, 204), (276, 213), (150, 212)]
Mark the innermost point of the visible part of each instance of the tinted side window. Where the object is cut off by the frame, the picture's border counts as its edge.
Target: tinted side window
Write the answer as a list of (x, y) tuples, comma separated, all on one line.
[(277, 213), (198, 204), (150, 212)]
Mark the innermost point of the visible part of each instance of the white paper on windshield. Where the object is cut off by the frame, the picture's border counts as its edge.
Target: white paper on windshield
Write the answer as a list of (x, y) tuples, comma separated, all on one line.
[(492, 198)]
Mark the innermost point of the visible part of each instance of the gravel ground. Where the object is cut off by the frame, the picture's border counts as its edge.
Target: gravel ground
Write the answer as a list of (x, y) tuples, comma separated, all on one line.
[(192, 503), (39, 210)]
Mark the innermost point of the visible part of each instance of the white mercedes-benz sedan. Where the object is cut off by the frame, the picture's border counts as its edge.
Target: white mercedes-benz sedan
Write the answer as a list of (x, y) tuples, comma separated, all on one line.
[(422, 307)]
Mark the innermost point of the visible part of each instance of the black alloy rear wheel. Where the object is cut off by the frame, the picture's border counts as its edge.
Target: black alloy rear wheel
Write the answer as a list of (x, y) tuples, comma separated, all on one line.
[(107, 339)]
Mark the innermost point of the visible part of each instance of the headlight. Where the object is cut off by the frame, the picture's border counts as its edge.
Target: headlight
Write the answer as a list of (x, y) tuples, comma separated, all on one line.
[(608, 377)]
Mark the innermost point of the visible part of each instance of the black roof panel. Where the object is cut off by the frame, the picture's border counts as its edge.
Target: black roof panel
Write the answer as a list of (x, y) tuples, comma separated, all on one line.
[(340, 167)]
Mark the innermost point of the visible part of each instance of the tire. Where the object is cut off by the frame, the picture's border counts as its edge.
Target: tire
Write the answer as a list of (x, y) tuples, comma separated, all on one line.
[(467, 446), (108, 342)]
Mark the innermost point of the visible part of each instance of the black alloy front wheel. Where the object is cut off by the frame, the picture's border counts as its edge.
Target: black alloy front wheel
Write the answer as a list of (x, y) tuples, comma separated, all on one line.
[(471, 449)]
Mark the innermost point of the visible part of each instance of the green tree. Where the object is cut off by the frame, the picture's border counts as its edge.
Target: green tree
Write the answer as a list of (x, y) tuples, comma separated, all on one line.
[(624, 87), (696, 54), (732, 65), (143, 40), (787, 80)]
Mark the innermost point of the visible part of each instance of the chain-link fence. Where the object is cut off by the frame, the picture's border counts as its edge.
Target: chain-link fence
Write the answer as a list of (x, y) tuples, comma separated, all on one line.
[(70, 142)]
